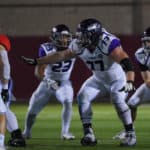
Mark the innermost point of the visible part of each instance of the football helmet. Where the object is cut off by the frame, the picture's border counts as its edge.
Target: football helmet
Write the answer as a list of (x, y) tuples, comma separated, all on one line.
[(61, 36), (146, 39), (88, 32)]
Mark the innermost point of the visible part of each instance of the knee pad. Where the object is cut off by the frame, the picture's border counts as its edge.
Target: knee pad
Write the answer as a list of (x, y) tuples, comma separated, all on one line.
[(121, 107), (67, 105), (132, 103), (82, 99)]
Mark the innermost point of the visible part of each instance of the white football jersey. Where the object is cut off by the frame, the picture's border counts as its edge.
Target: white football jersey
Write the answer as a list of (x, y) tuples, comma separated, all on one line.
[(143, 57), (60, 70), (102, 66), (5, 59)]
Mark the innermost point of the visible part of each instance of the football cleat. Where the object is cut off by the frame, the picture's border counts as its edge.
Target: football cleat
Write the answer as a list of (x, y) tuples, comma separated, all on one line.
[(120, 135), (89, 140), (129, 140), (17, 139), (68, 136)]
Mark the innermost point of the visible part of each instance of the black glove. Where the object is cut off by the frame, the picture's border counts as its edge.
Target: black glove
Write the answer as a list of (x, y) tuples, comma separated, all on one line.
[(29, 61), (5, 95), (129, 87)]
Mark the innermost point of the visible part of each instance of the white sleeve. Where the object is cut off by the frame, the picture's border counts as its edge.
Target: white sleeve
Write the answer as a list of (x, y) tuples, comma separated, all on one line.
[(5, 60), (140, 56), (75, 47)]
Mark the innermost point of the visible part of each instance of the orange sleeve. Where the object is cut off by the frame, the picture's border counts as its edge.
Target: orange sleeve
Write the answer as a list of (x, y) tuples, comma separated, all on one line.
[(5, 42)]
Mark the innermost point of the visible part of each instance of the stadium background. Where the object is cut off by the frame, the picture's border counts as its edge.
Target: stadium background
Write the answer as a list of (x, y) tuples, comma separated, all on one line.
[(27, 23)]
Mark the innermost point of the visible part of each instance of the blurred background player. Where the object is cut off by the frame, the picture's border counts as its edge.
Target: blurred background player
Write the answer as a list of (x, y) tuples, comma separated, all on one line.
[(54, 81), (142, 94), (112, 74), (2, 105), (2, 123), (6, 93)]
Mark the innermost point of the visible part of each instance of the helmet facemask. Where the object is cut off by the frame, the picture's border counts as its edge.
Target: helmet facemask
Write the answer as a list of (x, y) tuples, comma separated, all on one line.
[(84, 39), (61, 38), (88, 33), (146, 45), (146, 40)]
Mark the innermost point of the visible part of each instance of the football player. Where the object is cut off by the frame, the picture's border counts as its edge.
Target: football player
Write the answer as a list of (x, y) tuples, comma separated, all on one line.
[(142, 94), (55, 80), (112, 74), (2, 105), (6, 91)]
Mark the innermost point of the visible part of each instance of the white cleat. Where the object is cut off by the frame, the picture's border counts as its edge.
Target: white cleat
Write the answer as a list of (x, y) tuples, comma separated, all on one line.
[(129, 140), (67, 136), (120, 136), (26, 135)]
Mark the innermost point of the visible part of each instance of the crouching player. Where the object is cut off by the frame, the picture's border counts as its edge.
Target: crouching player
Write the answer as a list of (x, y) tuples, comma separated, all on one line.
[(142, 94), (50, 75)]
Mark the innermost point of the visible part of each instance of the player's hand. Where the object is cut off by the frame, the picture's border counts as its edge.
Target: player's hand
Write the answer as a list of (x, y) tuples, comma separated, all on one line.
[(147, 83), (29, 61), (51, 84), (5, 95), (129, 87)]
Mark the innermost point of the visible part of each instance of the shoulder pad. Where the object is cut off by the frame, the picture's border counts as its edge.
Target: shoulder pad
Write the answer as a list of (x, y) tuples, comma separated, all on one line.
[(48, 46), (140, 55)]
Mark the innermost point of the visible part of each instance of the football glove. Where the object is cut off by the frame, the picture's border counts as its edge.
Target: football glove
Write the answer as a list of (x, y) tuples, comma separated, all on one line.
[(29, 61), (5, 95), (129, 87), (51, 84)]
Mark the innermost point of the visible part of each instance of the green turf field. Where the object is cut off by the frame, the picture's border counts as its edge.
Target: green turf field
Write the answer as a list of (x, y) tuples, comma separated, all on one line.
[(46, 130)]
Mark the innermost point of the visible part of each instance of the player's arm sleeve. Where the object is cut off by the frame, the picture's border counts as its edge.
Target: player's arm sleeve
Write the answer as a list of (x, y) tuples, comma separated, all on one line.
[(75, 47), (127, 65), (113, 45), (4, 69), (41, 52), (39, 69)]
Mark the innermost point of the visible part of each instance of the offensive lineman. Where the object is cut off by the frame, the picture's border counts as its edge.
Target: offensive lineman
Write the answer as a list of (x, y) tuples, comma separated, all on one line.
[(103, 54), (54, 81)]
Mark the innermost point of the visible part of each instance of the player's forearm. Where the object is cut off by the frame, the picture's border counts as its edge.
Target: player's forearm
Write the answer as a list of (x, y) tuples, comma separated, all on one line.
[(130, 75), (39, 71), (146, 77), (50, 59), (55, 57), (4, 69)]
